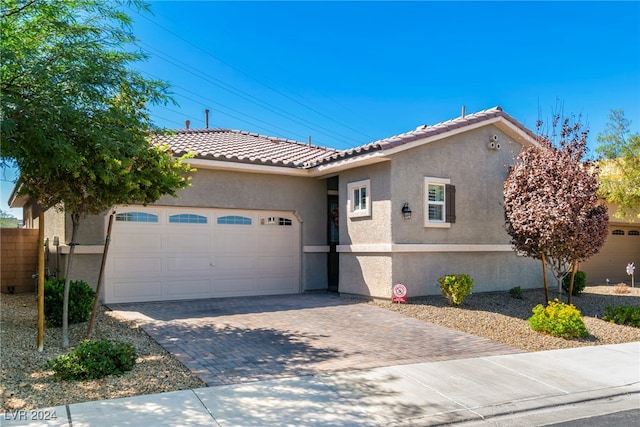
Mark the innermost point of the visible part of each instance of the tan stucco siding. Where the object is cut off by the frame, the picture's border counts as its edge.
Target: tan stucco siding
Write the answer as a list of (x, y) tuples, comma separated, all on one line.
[(366, 274), (235, 190), (478, 174), (375, 228), (490, 271)]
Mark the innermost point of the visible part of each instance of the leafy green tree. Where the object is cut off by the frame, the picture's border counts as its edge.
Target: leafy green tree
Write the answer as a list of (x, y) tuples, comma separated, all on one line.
[(8, 220), (74, 111), (620, 164), (552, 210)]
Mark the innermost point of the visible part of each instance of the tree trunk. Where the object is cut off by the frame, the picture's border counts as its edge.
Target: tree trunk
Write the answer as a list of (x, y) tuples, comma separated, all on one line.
[(96, 300), (544, 279), (41, 282), (75, 221), (574, 270)]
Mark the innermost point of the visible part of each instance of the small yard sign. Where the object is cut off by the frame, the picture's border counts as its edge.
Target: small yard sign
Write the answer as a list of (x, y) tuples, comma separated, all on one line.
[(399, 293)]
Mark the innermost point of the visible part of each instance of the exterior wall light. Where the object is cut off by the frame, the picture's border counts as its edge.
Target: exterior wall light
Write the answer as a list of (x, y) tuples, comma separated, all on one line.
[(406, 210)]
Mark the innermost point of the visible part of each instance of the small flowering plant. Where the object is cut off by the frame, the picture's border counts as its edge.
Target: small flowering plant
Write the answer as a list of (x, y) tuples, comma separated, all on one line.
[(558, 319)]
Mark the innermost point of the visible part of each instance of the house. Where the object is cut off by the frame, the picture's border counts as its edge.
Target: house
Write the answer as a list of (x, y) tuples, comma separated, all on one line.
[(272, 216)]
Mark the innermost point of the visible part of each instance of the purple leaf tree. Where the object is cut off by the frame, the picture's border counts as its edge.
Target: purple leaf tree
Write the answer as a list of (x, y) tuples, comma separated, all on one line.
[(552, 209)]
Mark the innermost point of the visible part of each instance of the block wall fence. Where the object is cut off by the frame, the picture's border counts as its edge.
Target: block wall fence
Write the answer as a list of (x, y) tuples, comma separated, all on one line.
[(18, 259)]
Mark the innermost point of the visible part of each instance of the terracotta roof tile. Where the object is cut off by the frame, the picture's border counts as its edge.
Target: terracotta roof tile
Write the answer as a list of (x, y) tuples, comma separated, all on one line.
[(424, 131), (247, 147), (241, 146)]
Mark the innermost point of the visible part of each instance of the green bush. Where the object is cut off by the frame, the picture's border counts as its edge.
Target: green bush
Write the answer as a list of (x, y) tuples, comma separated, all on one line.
[(623, 315), (94, 359), (80, 301), (516, 292), (579, 283), (558, 319), (456, 287)]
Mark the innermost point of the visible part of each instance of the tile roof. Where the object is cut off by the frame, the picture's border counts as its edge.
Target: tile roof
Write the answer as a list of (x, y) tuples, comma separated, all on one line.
[(422, 132), (245, 147)]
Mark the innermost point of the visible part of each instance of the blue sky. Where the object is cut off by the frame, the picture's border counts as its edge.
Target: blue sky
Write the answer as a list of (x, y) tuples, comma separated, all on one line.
[(348, 73)]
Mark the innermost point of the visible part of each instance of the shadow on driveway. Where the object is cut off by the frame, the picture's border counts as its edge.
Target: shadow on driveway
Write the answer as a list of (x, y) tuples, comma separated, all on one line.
[(238, 340)]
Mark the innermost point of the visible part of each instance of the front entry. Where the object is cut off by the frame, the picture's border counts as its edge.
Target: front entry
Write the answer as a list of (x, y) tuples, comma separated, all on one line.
[(333, 238)]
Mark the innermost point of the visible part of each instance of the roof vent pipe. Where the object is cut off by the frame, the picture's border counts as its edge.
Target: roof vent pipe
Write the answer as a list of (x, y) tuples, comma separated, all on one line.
[(206, 119), (309, 143), (463, 111), (187, 123)]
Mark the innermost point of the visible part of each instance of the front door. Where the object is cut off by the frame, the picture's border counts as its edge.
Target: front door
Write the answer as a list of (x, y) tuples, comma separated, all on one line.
[(333, 238)]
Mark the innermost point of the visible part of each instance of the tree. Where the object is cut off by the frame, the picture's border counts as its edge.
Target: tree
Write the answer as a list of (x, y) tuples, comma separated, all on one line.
[(8, 220), (620, 164), (74, 115), (552, 210)]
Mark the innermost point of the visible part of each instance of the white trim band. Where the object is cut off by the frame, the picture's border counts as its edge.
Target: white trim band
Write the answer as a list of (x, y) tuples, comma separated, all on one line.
[(315, 249), (423, 248)]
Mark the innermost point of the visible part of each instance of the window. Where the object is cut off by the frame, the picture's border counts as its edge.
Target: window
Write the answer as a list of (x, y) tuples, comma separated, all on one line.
[(359, 198), (439, 202), (274, 220), (633, 233), (234, 219), (187, 219), (618, 232), (136, 217)]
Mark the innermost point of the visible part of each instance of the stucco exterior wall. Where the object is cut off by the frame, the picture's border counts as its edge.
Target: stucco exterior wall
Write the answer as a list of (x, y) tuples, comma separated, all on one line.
[(375, 228), (478, 175), (366, 274), (490, 271)]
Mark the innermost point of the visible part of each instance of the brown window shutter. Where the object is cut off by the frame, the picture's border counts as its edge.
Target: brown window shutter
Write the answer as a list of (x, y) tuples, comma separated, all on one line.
[(450, 202)]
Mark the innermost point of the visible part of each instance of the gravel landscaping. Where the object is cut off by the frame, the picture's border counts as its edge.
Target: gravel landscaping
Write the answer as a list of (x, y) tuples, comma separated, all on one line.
[(25, 382)]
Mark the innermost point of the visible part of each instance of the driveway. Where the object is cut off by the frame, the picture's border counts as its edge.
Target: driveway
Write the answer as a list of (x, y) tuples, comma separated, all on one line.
[(236, 340)]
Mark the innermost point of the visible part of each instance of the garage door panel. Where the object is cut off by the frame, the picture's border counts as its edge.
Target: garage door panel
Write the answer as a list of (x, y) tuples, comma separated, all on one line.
[(168, 260), (277, 284), (188, 264), (192, 241), (136, 242), (235, 286), (275, 242), (234, 265), (276, 265), (137, 266), (190, 289), (239, 242), (138, 290)]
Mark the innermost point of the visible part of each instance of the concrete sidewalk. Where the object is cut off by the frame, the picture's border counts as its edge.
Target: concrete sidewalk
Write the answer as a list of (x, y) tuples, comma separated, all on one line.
[(521, 389)]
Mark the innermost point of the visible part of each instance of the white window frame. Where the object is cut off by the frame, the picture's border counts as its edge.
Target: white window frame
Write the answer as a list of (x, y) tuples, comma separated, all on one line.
[(356, 210), (435, 223)]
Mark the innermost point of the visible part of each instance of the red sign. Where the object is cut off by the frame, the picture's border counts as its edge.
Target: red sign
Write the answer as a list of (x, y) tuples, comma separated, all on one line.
[(399, 293)]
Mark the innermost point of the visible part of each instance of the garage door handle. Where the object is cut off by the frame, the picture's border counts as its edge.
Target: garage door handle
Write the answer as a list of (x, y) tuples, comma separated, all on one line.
[(212, 264)]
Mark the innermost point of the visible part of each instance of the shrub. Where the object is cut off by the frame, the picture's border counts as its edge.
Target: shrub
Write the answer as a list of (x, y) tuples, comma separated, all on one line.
[(94, 359), (579, 283), (80, 301), (621, 288), (623, 315), (516, 292), (456, 287), (558, 319)]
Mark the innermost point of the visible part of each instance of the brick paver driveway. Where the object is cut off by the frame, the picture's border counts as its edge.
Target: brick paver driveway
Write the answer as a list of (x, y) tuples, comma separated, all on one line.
[(234, 340)]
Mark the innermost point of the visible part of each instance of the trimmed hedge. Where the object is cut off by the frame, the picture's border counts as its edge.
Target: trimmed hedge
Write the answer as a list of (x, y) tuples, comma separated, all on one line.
[(81, 298)]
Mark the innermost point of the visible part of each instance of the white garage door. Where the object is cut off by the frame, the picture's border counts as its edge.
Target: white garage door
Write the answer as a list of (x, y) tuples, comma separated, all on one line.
[(621, 247), (168, 253)]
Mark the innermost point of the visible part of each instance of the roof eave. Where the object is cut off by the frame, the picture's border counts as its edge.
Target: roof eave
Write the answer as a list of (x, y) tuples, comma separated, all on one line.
[(247, 167)]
